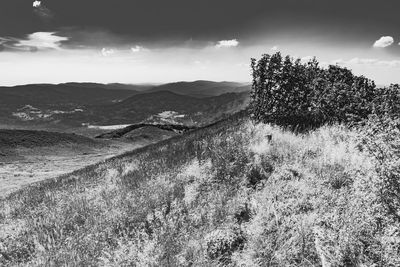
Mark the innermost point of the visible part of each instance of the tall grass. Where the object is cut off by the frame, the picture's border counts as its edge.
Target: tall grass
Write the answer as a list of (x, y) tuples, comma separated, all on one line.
[(225, 195)]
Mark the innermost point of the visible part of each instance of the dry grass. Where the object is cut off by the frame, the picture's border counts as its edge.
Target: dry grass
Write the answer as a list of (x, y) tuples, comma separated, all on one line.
[(219, 196)]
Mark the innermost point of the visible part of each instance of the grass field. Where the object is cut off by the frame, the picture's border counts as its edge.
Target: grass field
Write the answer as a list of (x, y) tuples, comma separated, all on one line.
[(224, 195)]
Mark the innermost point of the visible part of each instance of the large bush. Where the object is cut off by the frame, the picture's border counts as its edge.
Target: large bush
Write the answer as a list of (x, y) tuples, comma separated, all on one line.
[(289, 92)]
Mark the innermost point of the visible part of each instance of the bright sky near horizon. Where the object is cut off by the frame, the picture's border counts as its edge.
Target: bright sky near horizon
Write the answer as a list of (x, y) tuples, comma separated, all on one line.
[(156, 41)]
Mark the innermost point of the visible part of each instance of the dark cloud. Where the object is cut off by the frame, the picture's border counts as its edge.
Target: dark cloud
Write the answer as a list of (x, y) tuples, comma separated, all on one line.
[(177, 21)]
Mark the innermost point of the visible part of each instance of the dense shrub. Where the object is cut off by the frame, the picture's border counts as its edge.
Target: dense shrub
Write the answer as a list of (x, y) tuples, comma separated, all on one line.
[(291, 93)]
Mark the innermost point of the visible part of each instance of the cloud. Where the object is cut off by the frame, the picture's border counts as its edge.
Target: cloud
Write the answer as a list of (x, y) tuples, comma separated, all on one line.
[(37, 4), (384, 41), (370, 62), (42, 40), (137, 49), (34, 42), (227, 43), (107, 52)]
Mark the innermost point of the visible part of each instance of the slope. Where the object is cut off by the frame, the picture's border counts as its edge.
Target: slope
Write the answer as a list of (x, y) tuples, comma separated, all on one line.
[(221, 195)]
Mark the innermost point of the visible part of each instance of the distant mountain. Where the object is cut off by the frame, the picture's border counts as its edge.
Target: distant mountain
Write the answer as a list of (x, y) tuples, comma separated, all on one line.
[(173, 108), (114, 86), (40, 95), (80, 105), (202, 88), (93, 93)]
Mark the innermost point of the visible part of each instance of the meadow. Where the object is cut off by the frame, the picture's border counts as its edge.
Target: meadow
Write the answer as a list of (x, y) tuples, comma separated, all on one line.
[(235, 193)]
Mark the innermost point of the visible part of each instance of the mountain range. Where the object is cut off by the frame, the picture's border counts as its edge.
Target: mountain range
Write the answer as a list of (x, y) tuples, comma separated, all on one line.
[(80, 105)]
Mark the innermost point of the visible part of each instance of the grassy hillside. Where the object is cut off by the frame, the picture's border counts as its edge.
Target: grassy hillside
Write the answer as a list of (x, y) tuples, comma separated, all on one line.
[(28, 156), (222, 195), (31, 139), (16, 142)]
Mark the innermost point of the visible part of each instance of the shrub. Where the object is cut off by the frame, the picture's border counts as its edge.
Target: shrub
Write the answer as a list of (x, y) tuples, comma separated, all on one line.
[(290, 93)]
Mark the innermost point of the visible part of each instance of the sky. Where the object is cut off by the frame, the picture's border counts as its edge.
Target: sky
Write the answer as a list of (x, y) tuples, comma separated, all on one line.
[(159, 41)]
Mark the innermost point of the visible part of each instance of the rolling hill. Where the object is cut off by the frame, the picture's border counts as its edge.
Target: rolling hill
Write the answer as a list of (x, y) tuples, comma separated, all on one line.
[(45, 95), (16, 144), (10, 139), (187, 109), (202, 88), (73, 107), (28, 156)]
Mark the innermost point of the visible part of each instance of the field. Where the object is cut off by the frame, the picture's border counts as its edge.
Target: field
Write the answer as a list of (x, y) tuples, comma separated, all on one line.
[(221, 195)]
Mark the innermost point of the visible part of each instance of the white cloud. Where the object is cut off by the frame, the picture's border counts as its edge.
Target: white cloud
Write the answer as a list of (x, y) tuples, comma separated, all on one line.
[(363, 61), (37, 3), (274, 48), (227, 43), (137, 49), (41, 40), (107, 51), (371, 62), (384, 41)]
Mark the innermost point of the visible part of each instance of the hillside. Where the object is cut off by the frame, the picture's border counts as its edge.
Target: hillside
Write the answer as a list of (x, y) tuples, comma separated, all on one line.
[(15, 144), (221, 195), (28, 156), (188, 110), (202, 88), (127, 131), (10, 139)]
